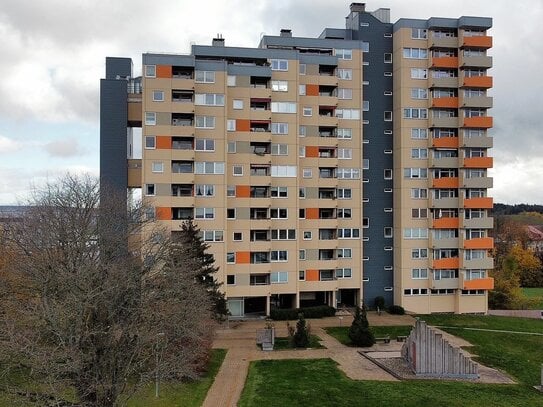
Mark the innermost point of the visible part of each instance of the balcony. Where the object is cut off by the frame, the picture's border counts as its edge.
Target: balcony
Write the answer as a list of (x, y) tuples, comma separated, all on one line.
[(486, 263), (328, 132), (443, 243), (444, 62), (478, 284), (260, 126), (477, 101), (483, 141), (445, 102), (477, 62), (444, 203), (484, 82), (478, 162), (482, 41), (478, 182), (134, 173), (446, 162), (486, 243), (480, 122), (445, 283), (445, 142), (445, 182), (447, 263), (446, 82), (443, 121), (443, 42), (134, 110), (478, 203), (478, 223), (446, 223)]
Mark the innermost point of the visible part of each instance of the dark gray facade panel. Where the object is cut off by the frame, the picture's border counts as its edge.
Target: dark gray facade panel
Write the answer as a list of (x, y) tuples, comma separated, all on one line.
[(439, 22), (113, 133), (263, 71), (334, 33), (240, 53), (175, 60), (318, 59), (210, 65), (475, 22), (299, 42), (118, 67)]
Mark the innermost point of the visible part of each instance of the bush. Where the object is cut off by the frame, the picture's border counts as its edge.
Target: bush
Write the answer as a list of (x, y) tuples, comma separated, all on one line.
[(396, 309), (379, 302), (300, 339), (309, 312), (359, 332)]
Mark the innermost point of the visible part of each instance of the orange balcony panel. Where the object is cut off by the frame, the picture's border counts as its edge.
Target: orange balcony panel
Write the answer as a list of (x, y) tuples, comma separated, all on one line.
[(479, 243), (163, 142), (312, 151), (446, 142), (163, 213), (450, 263), (447, 182), (479, 162), (478, 42), (243, 125), (479, 284), (243, 257), (243, 191), (478, 122), (451, 102), (311, 90), (312, 213), (163, 71), (478, 203), (446, 223), (478, 82), (312, 275), (445, 62)]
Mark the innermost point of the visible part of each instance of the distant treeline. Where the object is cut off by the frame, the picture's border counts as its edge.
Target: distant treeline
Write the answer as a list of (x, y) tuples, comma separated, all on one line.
[(504, 209)]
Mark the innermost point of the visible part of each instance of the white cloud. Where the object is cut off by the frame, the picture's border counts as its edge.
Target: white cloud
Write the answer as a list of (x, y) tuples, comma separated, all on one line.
[(8, 145), (64, 148)]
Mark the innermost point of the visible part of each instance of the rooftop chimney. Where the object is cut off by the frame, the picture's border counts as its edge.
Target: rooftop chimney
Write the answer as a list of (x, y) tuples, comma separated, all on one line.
[(286, 33), (358, 7), (218, 41)]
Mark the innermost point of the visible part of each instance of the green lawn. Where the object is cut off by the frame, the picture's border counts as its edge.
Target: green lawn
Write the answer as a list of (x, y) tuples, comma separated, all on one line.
[(535, 293), (320, 383), (284, 343), (342, 333), (171, 394)]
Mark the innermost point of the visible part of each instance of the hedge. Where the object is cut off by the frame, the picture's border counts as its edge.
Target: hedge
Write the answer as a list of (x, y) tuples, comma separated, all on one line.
[(308, 312)]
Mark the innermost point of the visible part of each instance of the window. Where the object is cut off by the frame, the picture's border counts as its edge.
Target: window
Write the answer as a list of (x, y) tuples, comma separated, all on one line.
[(279, 86), (307, 111), (279, 149), (419, 273), (150, 118), (204, 190), (150, 142), (279, 128), (344, 273), (388, 232), (278, 255), (307, 173), (150, 189), (230, 125), (237, 170), (237, 236), (204, 213), (283, 234), (365, 222), (283, 107), (157, 167), (279, 213), (419, 33), (345, 74), (301, 90), (302, 69), (301, 151), (301, 275), (231, 213), (419, 213), (326, 275), (419, 73), (279, 65), (445, 274), (204, 122), (344, 193), (230, 191), (415, 291), (287, 171), (348, 173), (231, 147), (345, 153), (301, 254), (345, 94), (415, 53), (208, 167), (387, 116), (418, 254), (348, 233), (150, 71), (237, 104), (419, 153), (387, 173), (209, 99), (279, 192), (344, 54), (204, 145), (419, 93), (349, 114), (279, 277), (231, 80), (308, 235), (212, 235), (230, 278), (230, 257), (415, 233), (204, 76), (158, 96), (419, 133), (415, 113), (421, 173), (344, 253), (345, 133)]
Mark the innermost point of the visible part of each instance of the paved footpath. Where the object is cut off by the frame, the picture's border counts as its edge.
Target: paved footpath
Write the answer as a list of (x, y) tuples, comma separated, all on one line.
[(240, 341)]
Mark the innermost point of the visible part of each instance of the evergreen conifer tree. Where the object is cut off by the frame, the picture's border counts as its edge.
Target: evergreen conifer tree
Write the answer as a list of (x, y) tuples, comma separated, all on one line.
[(359, 332)]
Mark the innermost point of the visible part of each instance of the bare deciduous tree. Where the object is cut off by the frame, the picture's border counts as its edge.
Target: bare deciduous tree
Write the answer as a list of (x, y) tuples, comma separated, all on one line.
[(90, 302)]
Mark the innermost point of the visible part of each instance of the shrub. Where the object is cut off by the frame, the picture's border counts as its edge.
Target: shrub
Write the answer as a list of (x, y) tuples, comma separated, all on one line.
[(396, 309), (300, 339), (309, 312), (359, 332), (379, 302)]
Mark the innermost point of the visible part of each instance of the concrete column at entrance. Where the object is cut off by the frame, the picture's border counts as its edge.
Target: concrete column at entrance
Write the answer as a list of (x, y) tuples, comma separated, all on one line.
[(297, 300), (334, 300), (268, 305)]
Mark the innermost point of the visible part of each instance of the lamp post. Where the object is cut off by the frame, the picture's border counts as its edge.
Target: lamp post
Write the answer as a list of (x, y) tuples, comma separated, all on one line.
[(157, 363)]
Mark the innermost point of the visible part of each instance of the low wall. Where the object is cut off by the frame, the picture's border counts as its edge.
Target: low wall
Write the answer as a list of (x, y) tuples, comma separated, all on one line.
[(519, 313)]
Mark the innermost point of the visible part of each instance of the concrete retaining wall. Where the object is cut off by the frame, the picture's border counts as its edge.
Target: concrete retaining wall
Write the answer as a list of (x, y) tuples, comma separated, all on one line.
[(525, 313)]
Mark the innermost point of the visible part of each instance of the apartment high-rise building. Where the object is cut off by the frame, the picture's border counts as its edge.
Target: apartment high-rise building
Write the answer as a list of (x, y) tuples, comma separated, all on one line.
[(329, 170)]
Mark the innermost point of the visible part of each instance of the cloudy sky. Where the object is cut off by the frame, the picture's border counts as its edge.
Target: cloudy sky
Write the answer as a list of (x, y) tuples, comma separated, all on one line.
[(53, 54)]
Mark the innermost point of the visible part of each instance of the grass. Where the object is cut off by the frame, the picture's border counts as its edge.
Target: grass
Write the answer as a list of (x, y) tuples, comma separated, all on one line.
[(319, 382), (189, 394), (342, 333), (284, 343), (535, 293)]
